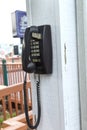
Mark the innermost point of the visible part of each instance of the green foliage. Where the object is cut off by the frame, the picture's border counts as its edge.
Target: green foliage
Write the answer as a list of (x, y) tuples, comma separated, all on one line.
[(13, 114), (7, 116), (1, 120)]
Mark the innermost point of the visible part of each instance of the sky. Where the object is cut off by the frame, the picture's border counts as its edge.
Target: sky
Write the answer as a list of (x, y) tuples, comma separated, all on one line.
[(6, 8)]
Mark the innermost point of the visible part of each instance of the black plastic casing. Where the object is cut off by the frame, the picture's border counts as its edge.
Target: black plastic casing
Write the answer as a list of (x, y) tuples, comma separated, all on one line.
[(45, 46)]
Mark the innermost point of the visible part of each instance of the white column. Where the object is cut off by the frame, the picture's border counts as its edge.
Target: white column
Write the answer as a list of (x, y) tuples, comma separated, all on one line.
[(59, 91)]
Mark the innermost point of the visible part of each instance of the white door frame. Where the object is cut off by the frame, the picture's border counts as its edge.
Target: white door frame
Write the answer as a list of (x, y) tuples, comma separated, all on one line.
[(81, 62)]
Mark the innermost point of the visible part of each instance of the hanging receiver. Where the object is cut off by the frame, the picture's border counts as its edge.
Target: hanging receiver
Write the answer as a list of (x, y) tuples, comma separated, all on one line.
[(36, 58)]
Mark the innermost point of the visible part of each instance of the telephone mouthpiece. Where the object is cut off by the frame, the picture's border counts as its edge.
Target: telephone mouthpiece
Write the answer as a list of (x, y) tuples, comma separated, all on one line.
[(31, 67)]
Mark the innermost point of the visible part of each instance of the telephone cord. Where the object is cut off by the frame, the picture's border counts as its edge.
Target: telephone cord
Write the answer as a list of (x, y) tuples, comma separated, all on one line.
[(38, 104)]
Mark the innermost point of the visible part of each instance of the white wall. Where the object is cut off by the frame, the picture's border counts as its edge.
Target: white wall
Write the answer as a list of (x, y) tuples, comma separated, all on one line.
[(59, 91)]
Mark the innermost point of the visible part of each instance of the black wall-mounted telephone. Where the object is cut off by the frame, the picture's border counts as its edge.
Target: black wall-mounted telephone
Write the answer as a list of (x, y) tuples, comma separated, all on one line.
[(37, 50), (36, 58)]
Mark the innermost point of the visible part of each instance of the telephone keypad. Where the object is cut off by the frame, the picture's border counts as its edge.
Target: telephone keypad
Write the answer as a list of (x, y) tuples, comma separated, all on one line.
[(35, 51)]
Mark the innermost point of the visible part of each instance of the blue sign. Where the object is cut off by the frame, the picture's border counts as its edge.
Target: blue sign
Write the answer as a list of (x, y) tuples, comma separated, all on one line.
[(19, 23)]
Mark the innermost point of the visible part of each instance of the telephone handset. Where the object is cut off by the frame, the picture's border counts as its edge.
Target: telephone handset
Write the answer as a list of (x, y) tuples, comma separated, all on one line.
[(36, 58), (37, 50)]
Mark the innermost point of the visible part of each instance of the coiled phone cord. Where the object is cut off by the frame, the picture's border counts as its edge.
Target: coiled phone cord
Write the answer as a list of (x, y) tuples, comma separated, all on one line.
[(38, 103)]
